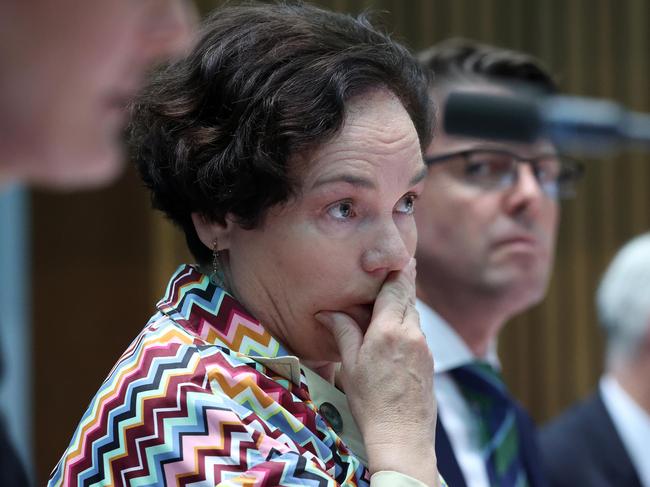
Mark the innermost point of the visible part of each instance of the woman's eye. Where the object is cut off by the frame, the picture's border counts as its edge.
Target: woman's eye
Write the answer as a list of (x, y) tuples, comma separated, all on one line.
[(407, 204), (342, 210)]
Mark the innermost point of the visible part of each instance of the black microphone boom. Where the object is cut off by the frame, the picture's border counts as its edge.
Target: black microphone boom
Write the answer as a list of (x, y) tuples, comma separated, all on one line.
[(574, 124)]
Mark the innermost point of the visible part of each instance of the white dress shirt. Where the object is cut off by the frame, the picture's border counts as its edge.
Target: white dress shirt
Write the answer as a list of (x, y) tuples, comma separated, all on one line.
[(450, 351), (632, 423)]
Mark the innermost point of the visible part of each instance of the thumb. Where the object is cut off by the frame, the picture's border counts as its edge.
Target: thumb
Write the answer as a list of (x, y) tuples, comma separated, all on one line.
[(345, 331)]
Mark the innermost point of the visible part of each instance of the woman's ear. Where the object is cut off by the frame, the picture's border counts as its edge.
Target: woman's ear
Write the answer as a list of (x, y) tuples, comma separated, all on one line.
[(210, 232)]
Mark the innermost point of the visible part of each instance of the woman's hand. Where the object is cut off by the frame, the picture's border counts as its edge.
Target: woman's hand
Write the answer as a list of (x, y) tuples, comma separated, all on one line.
[(388, 380)]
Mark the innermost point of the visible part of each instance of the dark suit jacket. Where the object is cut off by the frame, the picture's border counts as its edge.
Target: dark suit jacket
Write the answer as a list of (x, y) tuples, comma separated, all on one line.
[(11, 468), (582, 447), (450, 470)]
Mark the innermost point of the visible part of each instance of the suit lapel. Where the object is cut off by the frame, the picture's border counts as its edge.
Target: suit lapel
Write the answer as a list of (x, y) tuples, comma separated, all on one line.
[(608, 449), (447, 463), (530, 453)]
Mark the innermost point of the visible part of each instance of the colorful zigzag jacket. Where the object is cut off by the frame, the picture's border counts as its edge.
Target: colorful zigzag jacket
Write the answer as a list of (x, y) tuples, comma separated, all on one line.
[(203, 397)]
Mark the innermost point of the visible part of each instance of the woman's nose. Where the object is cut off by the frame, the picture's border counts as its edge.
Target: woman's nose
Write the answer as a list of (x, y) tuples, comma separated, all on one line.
[(388, 250)]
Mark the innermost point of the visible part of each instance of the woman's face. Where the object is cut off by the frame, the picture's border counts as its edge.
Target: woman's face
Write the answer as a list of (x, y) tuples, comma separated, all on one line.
[(331, 247)]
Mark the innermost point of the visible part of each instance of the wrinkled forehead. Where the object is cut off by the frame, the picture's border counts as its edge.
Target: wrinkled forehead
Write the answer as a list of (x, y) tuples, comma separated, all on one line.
[(443, 143), (376, 127)]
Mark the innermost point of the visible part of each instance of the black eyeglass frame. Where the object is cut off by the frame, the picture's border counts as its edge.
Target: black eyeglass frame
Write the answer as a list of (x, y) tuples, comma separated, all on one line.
[(570, 169)]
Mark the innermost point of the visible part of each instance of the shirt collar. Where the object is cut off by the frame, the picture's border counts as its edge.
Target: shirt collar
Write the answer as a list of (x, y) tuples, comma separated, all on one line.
[(215, 317), (448, 348)]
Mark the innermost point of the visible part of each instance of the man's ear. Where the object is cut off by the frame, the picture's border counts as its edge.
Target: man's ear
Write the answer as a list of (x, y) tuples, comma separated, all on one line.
[(210, 232)]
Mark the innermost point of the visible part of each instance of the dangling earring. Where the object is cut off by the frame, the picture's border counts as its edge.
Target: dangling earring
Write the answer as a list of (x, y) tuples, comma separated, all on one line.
[(217, 274)]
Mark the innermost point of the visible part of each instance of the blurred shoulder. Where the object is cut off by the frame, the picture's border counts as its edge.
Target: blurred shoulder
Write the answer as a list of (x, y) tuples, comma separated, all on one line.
[(577, 420)]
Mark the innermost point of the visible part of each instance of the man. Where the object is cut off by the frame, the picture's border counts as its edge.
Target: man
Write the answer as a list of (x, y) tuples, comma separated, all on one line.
[(67, 69), (605, 440), (487, 223)]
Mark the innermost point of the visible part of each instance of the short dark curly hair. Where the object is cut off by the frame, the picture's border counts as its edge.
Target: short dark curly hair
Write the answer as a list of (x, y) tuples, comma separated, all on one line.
[(463, 60), (214, 133)]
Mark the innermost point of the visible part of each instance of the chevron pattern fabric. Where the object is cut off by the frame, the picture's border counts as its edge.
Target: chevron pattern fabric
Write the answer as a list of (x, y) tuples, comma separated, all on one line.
[(187, 404), (485, 391)]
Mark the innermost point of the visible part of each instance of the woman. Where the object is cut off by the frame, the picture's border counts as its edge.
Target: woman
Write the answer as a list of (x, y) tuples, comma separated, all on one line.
[(288, 149)]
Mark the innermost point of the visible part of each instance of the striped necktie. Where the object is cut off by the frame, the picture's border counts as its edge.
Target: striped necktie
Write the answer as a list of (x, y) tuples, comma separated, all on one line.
[(484, 390)]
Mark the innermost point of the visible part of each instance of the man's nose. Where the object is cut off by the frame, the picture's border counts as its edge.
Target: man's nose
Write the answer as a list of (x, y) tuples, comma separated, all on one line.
[(526, 192), (169, 29)]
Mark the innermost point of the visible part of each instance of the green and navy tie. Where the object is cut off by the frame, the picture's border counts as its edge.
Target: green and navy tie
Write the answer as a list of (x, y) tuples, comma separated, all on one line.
[(486, 393)]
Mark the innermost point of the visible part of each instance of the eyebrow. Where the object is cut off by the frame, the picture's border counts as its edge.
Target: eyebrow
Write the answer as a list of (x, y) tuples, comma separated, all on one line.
[(362, 182), (420, 176), (490, 145)]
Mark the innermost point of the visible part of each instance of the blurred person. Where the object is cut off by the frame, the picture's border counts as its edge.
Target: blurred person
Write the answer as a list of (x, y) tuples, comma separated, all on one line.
[(605, 440), (67, 69), (487, 223), (288, 148)]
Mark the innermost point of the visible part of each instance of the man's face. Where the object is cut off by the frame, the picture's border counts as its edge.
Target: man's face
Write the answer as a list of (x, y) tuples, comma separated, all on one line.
[(69, 68), (493, 243)]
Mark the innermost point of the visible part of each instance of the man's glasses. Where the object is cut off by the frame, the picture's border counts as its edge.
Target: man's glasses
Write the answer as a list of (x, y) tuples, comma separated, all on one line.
[(492, 169)]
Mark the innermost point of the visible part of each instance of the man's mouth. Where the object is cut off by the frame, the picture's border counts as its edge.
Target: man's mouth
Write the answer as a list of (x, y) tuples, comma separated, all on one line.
[(522, 242)]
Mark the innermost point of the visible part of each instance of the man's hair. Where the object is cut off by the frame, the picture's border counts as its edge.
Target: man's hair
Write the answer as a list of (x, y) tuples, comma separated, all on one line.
[(459, 60), (623, 298), (216, 133)]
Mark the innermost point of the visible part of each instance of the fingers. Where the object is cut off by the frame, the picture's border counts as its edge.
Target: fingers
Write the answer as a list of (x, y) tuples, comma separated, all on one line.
[(346, 332), (396, 297), (411, 315)]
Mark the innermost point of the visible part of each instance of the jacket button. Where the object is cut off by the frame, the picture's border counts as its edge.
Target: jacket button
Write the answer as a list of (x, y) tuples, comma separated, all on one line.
[(332, 415)]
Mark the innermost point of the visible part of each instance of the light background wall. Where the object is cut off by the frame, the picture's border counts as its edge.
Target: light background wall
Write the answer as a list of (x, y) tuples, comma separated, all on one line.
[(102, 259)]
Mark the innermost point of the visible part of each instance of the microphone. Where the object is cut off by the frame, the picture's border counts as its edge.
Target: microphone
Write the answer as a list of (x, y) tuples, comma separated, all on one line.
[(586, 126)]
